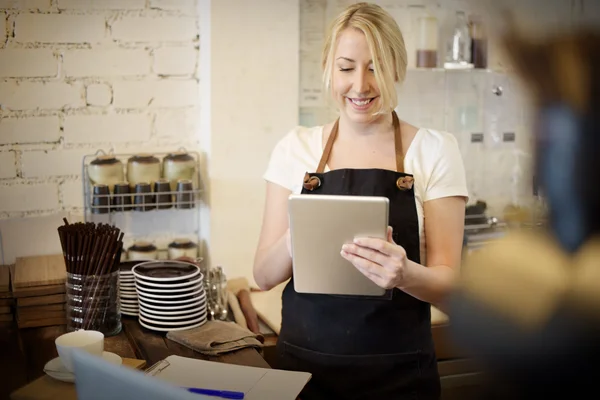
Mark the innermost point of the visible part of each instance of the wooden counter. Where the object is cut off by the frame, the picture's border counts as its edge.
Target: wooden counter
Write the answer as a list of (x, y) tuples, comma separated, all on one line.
[(24, 352)]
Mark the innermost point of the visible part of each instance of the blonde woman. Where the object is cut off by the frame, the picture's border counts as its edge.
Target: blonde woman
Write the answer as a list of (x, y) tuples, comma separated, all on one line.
[(356, 347)]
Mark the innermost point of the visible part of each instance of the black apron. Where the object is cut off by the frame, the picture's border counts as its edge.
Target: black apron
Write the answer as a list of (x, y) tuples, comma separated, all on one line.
[(357, 347)]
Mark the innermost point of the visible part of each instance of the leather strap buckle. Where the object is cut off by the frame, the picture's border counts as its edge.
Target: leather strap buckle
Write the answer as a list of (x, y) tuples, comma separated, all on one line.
[(311, 182), (405, 183)]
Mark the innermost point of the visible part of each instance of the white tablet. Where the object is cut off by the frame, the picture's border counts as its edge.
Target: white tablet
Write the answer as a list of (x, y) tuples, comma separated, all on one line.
[(319, 226)]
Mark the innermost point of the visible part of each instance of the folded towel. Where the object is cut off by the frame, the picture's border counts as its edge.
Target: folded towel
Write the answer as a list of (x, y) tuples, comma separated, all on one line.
[(217, 337)]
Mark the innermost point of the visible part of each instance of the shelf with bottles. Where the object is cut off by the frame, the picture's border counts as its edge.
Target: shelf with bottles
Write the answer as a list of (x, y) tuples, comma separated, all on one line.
[(459, 70), (129, 187), (462, 48)]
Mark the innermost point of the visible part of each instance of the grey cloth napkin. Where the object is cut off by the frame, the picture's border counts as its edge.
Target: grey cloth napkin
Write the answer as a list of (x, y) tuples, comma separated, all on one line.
[(217, 337)]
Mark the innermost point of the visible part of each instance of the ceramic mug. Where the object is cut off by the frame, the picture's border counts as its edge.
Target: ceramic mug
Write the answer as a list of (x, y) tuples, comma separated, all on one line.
[(162, 189), (184, 197), (100, 199), (121, 200), (144, 198), (88, 341)]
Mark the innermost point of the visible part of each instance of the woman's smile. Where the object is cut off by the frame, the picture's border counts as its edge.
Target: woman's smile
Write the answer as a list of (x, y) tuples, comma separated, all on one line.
[(361, 104)]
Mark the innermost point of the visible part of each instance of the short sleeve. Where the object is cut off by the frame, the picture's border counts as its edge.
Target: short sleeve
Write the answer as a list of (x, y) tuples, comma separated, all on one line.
[(448, 176), (279, 169)]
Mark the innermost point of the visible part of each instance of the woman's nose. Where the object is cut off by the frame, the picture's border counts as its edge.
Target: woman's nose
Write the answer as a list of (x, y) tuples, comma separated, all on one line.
[(361, 82)]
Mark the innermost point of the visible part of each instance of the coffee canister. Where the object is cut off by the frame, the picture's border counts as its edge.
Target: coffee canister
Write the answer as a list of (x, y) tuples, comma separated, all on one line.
[(182, 248), (143, 168), (142, 250), (105, 170), (178, 165)]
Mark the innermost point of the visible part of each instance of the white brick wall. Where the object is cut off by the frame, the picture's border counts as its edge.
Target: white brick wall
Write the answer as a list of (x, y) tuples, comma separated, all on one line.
[(26, 4), (2, 27), (175, 60), (98, 94), (29, 197), (52, 163), (59, 28), (78, 76), (70, 194), (109, 62), (101, 4), (160, 93), (25, 130), (28, 63), (107, 128), (152, 29), (8, 167), (25, 95), (176, 123), (178, 5)]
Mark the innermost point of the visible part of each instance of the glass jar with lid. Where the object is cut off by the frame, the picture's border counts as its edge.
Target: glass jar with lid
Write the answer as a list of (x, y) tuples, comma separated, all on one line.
[(427, 42)]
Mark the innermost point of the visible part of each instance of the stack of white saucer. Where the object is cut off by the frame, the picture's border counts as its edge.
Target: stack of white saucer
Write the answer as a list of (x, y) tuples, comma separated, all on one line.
[(127, 295), (171, 295)]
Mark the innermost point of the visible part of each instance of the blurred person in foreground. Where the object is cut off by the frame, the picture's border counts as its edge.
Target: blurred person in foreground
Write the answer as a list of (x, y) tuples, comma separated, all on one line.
[(528, 306)]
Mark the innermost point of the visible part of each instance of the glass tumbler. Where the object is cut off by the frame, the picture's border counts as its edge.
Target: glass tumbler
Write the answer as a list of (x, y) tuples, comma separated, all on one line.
[(93, 303)]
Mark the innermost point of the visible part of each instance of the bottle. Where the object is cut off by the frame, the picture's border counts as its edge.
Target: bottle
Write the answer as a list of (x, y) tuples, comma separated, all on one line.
[(427, 42), (479, 46), (458, 52)]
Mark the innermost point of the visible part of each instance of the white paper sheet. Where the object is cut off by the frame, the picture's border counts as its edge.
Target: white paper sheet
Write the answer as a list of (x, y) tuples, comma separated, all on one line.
[(256, 383)]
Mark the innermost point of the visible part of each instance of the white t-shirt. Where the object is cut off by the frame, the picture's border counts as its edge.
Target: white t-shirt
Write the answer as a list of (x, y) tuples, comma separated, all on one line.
[(433, 158)]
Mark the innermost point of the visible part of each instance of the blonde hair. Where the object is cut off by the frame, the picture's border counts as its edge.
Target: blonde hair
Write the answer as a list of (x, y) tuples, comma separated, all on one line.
[(385, 42)]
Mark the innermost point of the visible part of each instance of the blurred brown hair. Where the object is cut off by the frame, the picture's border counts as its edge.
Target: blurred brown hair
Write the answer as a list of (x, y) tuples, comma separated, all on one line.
[(559, 68)]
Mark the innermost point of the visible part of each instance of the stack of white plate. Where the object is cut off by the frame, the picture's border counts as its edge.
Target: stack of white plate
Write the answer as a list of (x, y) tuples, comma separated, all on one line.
[(171, 295), (127, 294)]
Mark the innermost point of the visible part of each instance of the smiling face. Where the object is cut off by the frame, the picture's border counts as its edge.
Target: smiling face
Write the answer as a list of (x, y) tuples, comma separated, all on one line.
[(363, 59), (354, 87)]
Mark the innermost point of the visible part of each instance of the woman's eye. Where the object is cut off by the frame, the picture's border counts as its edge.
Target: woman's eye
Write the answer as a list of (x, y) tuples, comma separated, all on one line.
[(350, 69)]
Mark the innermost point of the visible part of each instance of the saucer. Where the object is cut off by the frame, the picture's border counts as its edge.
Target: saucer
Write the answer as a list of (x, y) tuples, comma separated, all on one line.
[(165, 271), (55, 368)]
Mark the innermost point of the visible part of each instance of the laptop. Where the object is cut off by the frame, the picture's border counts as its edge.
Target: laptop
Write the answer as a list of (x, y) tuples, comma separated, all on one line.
[(97, 379), (319, 226)]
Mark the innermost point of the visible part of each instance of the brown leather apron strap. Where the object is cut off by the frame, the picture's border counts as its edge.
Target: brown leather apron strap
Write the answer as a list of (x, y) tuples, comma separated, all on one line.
[(333, 136), (328, 146), (398, 143), (311, 182)]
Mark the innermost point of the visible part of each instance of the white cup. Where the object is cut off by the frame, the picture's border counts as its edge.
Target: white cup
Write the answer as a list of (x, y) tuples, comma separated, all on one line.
[(88, 341)]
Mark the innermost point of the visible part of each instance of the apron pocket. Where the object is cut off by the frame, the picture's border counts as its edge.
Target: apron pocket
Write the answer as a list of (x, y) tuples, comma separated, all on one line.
[(390, 376)]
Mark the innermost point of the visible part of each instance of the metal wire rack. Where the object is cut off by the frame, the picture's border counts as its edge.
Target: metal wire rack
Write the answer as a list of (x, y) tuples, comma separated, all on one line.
[(157, 217)]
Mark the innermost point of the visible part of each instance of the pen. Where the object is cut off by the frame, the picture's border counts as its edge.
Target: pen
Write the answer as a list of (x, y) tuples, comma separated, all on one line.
[(226, 394)]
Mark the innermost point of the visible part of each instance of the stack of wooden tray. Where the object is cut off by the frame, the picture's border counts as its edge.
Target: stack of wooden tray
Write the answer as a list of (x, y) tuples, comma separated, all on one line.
[(6, 300), (38, 286)]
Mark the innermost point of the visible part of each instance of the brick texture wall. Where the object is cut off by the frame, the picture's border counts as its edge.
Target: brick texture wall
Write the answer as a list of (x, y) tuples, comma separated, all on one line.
[(81, 75)]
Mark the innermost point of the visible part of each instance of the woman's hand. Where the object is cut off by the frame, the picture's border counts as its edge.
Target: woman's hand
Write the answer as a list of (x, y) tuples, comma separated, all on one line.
[(381, 261)]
